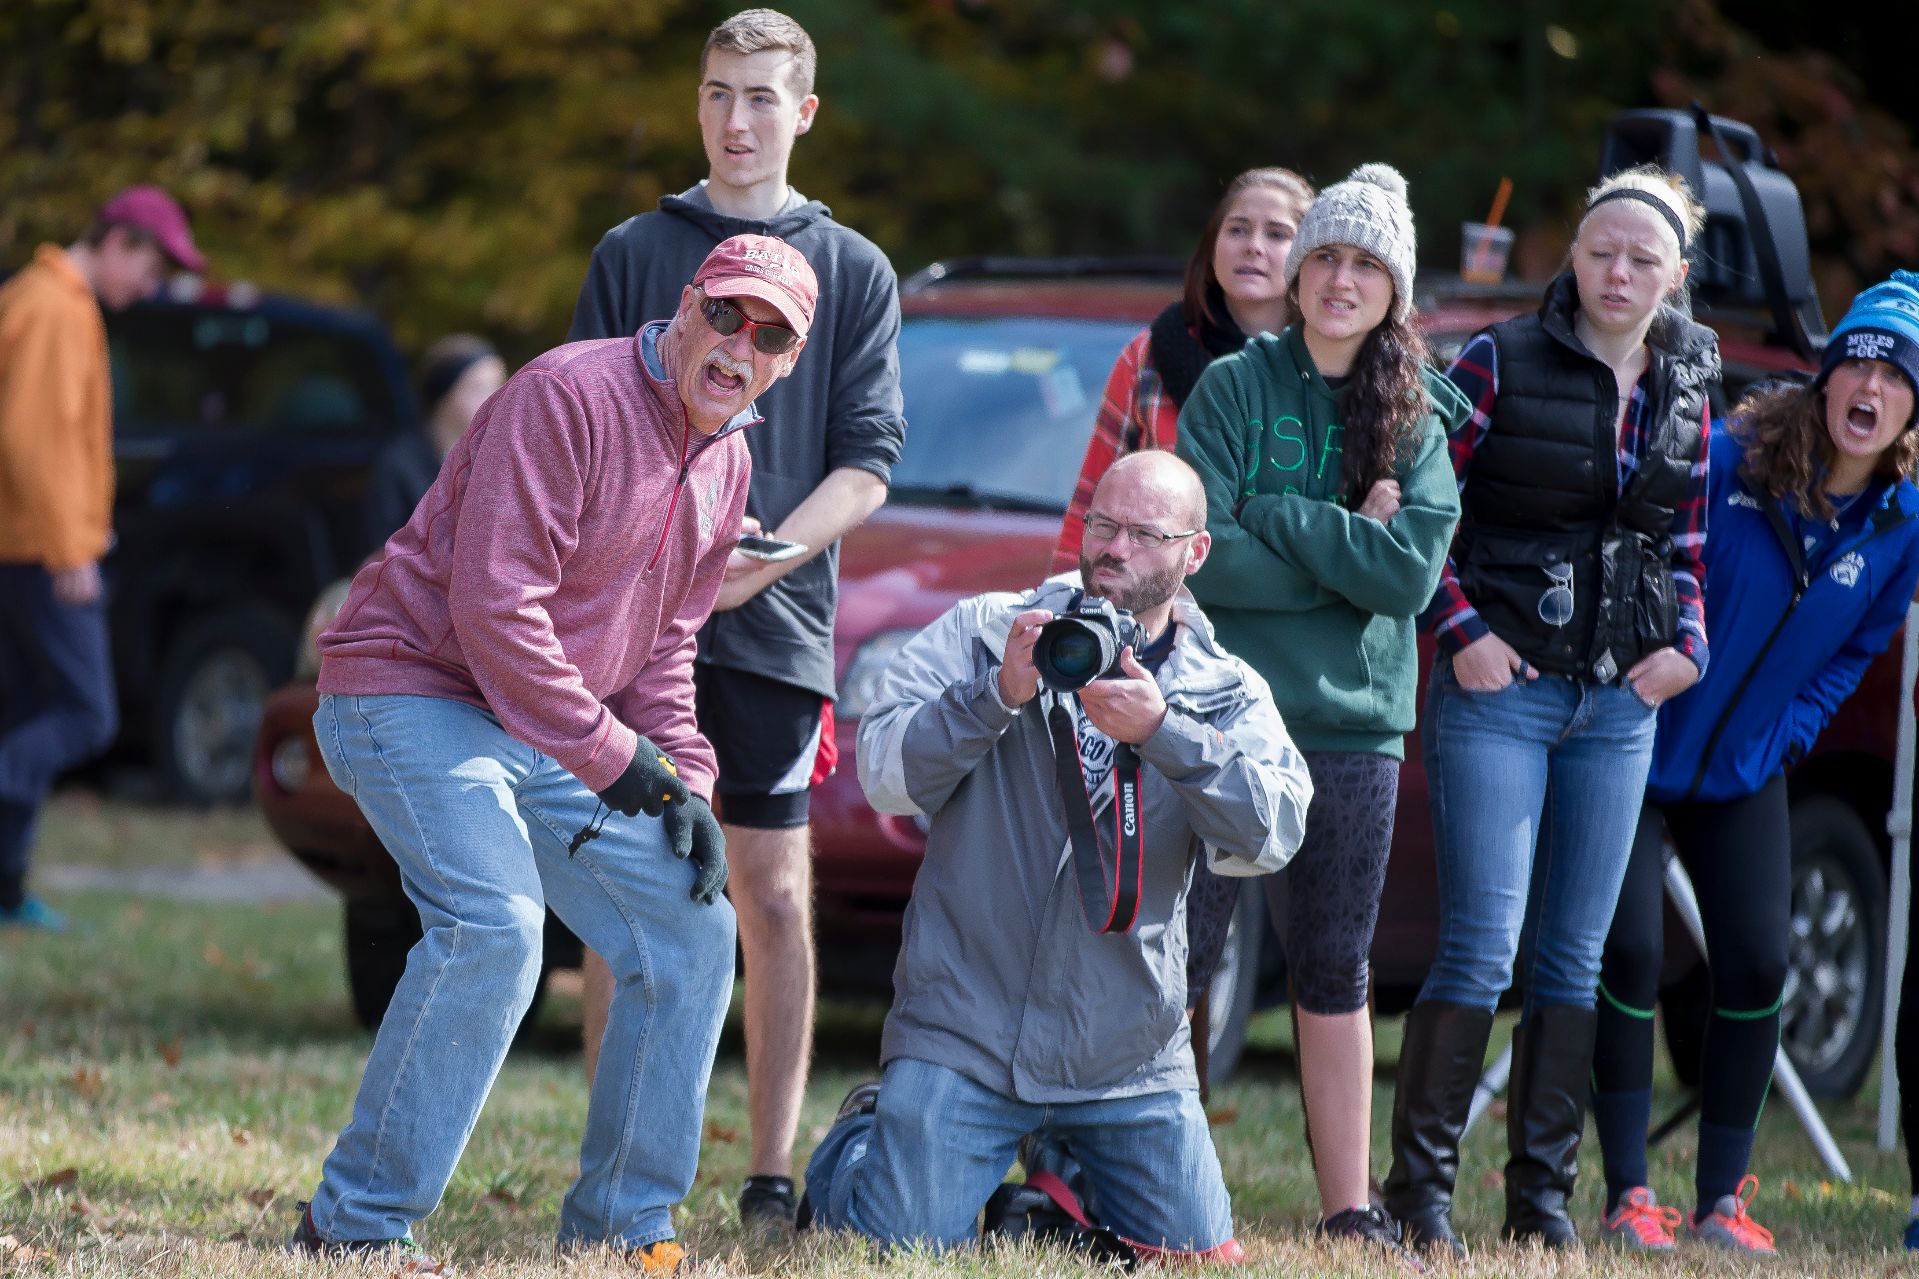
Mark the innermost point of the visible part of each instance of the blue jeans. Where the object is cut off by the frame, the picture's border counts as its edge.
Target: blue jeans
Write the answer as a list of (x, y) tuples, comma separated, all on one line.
[(922, 1165), (478, 824), (1535, 792), (57, 701)]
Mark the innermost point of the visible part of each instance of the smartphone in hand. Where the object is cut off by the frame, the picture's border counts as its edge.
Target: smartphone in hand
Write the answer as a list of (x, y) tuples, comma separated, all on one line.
[(770, 550)]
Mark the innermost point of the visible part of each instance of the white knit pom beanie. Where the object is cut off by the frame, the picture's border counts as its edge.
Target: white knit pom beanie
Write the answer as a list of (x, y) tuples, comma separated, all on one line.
[(1368, 211)]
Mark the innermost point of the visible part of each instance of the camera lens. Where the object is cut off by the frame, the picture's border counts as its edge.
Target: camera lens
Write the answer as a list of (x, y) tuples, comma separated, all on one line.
[(1071, 654), (1076, 655)]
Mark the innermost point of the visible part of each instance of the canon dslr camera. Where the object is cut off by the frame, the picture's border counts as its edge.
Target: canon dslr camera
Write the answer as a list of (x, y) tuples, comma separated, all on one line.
[(1083, 644)]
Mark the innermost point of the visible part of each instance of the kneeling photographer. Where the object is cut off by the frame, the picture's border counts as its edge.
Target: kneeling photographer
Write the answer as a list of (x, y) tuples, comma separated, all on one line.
[(1073, 752)]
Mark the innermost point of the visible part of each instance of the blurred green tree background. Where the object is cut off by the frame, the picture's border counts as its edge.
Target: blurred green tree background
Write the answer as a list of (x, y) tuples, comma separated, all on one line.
[(450, 163)]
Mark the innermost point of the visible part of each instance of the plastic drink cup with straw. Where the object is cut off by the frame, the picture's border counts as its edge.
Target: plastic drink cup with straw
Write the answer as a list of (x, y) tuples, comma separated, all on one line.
[(1485, 246)]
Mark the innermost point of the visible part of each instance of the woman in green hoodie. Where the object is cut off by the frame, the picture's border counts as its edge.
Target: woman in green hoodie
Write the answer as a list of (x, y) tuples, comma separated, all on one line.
[(1331, 503)]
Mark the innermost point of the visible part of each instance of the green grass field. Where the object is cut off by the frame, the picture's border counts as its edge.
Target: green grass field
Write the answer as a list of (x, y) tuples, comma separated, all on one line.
[(173, 1072)]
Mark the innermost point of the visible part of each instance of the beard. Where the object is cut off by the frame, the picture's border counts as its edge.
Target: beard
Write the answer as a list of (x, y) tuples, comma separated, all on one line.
[(1146, 590)]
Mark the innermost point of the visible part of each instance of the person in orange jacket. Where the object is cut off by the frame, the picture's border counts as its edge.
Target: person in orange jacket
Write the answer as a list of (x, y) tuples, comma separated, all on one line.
[(57, 705)]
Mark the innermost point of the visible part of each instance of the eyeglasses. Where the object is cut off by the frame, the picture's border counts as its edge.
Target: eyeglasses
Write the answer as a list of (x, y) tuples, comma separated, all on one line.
[(727, 319), (1102, 529), (1556, 602)]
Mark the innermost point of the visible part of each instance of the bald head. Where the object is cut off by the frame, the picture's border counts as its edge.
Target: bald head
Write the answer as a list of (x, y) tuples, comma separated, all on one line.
[(1156, 497), (1156, 481)]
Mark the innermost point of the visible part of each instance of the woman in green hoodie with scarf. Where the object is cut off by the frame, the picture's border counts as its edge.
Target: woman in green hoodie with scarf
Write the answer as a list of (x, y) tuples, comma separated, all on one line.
[(1331, 504)]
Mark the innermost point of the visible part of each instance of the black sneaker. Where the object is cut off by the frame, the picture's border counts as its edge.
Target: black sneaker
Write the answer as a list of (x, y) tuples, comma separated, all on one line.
[(307, 1239), (1372, 1225), (768, 1204)]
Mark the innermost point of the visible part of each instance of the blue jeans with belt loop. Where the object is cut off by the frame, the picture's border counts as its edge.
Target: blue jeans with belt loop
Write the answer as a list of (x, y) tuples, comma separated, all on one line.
[(479, 823), (1535, 792)]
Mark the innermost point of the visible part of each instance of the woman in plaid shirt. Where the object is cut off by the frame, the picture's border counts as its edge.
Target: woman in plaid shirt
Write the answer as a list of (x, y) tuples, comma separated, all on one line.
[(1235, 287), (1569, 609)]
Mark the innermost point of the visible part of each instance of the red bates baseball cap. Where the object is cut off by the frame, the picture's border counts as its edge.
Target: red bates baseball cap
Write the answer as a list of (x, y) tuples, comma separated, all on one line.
[(160, 216), (763, 267)]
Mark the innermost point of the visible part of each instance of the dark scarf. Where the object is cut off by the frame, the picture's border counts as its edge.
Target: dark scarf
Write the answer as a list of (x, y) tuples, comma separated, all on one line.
[(1179, 356)]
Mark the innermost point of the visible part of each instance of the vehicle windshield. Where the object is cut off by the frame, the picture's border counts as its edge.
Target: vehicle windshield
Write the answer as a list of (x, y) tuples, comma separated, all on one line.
[(999, 410)]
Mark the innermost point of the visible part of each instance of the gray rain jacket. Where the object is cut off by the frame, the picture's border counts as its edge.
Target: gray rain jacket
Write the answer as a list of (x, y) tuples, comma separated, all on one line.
[(1000, 978)]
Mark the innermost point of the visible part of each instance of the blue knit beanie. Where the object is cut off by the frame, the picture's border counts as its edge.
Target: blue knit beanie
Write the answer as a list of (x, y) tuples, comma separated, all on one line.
[(1881, 324)]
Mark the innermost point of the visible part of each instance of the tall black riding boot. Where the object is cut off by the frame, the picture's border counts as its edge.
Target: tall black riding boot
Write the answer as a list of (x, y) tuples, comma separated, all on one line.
[(1439, 1062), (1545, 1118)]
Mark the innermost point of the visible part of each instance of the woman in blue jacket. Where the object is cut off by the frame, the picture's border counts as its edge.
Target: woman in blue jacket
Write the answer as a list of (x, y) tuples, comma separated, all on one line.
[(1812, 559)]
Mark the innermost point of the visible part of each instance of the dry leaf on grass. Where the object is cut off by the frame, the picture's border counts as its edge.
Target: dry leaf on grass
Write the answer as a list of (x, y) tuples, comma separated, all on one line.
[(89, 1083), (261, 1198), (241, 1137), (721, 1133), (54, 1181), (15, 1252), (171, 1052), (1221, 1116), (501, 1195)]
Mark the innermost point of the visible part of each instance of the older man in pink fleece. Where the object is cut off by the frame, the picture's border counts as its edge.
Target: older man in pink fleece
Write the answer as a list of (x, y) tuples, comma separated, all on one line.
[(506, 691)]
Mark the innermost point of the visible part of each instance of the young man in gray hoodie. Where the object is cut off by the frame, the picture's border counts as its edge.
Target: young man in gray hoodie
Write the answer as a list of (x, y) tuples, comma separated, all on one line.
[(766, 677)]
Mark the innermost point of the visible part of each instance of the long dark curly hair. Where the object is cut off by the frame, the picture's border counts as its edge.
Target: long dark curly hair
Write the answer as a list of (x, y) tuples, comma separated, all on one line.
[(1385, 403), (1788, 451)]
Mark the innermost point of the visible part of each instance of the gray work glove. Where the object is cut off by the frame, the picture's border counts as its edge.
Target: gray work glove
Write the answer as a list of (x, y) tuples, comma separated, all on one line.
[(696, 834)]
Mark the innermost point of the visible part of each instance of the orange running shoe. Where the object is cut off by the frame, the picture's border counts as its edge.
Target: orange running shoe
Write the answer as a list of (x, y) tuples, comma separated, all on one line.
[(1728, 1226), (1640, 1223)]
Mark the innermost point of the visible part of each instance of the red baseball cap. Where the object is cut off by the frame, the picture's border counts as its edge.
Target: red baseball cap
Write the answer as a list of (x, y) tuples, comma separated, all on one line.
[(160, 216), (763, 267)]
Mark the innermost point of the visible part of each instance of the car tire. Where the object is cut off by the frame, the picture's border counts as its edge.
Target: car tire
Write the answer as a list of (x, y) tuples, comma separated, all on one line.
[(1836, 975), (379, 933), (211, 690), (1235, 984)]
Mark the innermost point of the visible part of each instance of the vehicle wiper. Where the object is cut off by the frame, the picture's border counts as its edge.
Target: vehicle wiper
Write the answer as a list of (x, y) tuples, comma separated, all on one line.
[(970, 497)]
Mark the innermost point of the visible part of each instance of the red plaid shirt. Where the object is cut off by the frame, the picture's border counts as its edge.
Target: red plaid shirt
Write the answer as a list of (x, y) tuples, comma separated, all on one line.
[(1135, 414), (1454, 621)]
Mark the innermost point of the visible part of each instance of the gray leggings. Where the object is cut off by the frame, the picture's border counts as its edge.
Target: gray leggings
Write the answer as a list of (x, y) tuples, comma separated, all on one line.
[(1328, 902)]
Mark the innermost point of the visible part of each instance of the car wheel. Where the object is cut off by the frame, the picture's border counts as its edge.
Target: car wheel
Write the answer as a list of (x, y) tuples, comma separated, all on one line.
[(1235, 983), (1835, 978), (379, 933), (212, 688)]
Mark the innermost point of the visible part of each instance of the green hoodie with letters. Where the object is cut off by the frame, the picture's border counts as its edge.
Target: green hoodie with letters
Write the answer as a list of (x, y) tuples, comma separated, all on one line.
[(1319, 600)]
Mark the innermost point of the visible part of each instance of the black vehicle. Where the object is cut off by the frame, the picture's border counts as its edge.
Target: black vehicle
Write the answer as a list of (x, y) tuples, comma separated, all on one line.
[(244, 432)]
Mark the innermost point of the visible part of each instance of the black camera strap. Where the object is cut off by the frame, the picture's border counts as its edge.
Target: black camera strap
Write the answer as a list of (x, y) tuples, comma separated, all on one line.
[(1115, 891)]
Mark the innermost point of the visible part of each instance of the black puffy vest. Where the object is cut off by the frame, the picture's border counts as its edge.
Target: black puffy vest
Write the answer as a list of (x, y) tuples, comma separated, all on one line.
[(1544, 491)]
